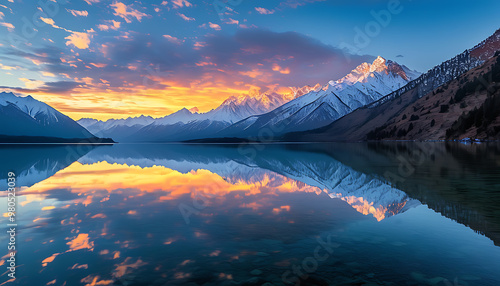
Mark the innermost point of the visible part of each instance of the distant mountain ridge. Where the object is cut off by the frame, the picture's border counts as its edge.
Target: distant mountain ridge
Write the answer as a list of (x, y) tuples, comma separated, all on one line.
[(189, 124)]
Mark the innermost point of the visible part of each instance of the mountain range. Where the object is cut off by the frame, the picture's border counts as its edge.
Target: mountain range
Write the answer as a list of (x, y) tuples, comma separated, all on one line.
[(375, 101), (246, 116), (365, 84), (189, 124)]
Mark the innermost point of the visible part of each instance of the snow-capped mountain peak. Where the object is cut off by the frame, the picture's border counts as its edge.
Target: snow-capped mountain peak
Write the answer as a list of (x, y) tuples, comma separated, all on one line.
[(380, 66), (27, 116), (321, 106), (30, 106)]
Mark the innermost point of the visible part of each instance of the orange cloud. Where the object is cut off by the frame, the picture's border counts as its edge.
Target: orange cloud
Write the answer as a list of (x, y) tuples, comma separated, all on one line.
[(9, 26), (110, 25), (80, 40), (95, 280), (3, 67), (277, 68), (252, 73), (127, 12), (49, 259), (81, 242)]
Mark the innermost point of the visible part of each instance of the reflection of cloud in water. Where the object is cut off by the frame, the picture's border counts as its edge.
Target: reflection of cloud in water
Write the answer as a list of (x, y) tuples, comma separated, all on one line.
[(112, 216)]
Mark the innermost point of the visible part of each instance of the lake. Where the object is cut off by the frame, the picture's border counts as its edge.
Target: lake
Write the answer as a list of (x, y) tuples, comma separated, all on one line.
[(386, 213)]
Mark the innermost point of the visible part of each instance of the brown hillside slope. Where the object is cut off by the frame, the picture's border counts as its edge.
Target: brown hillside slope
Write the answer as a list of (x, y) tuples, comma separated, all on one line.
[(453, 111)]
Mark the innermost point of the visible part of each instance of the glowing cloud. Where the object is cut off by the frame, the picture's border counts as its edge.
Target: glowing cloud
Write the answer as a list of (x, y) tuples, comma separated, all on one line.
[(31, 84), (80, 40), (81, 242), (127, 12), (110, 25)]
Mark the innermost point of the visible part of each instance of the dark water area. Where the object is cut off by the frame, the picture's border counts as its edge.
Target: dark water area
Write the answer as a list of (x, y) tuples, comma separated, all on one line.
[(386, 213)]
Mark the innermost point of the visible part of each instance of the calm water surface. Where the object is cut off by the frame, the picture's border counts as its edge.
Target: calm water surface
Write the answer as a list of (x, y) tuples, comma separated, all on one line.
[(331, 214)]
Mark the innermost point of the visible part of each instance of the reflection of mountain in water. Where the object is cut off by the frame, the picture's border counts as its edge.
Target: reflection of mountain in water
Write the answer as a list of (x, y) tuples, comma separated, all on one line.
[(459, 181), (366, 194), (35, 163)]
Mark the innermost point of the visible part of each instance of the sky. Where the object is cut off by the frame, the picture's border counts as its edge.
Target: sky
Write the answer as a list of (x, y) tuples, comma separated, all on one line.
[(118, 58)]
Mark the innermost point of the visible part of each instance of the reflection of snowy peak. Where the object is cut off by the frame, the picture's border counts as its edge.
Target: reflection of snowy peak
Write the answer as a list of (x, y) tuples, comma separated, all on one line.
[(35, 163), (368, 195)]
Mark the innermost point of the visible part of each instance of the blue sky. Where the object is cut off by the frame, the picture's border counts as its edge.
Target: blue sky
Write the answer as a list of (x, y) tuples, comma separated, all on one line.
[(108, 56)]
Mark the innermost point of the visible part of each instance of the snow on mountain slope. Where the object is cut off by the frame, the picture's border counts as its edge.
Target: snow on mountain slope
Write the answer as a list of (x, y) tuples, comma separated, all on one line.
[(184, 116), (30, 106), (95, 126), (26, 116), (176, 132), (319, 107)]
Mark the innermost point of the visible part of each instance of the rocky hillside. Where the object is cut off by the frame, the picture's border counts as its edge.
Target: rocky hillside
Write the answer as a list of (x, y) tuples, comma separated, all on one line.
[(467, 107)]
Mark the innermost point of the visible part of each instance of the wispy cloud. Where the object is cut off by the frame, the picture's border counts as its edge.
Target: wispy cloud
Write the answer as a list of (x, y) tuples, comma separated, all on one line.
[(90, 2), (264, 11), (80, 40), (77, 13), (9, 26), (297, 3), (232, 22), (185, 17), (172, 39)]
